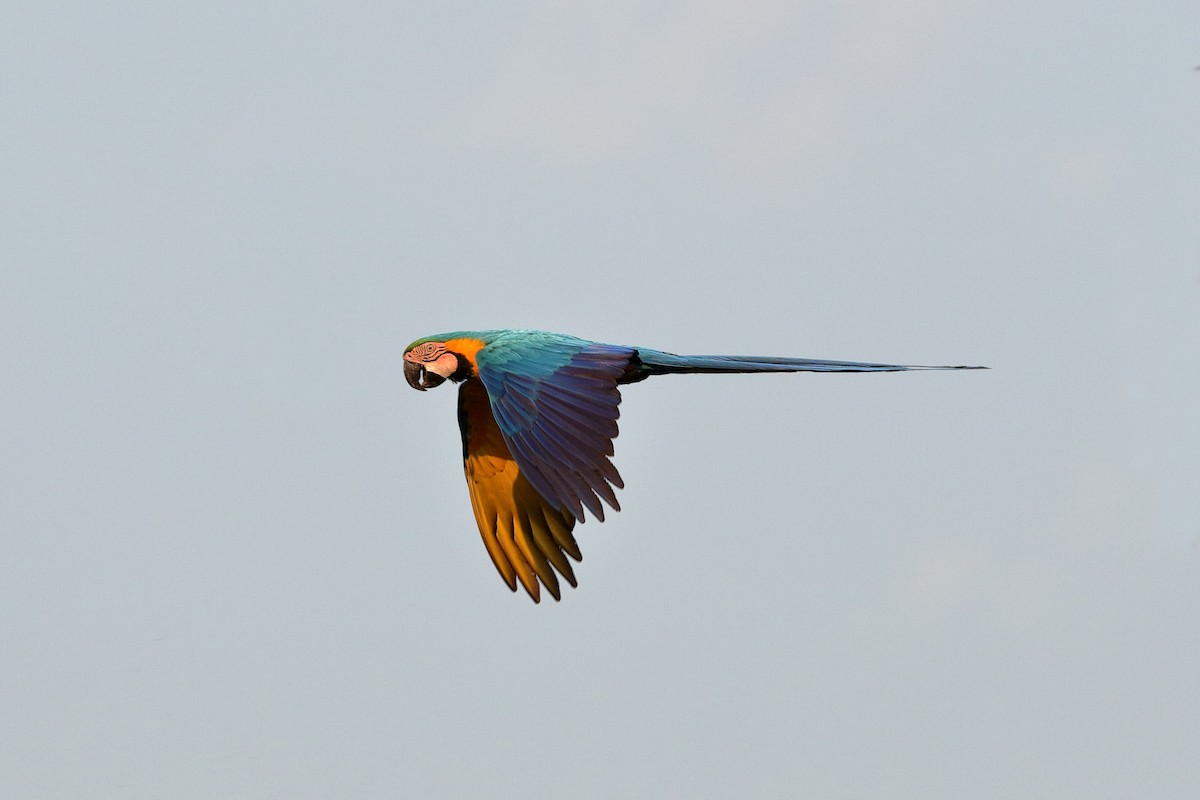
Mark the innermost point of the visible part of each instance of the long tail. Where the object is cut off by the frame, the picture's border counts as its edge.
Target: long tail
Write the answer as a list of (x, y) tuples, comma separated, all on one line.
[(656, 362)]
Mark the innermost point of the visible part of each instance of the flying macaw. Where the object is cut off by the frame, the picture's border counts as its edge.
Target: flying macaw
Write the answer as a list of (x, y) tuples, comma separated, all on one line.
[(538, 413)]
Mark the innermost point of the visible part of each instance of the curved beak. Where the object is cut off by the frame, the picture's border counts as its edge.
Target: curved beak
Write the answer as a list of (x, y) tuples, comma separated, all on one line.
[(420, 378)]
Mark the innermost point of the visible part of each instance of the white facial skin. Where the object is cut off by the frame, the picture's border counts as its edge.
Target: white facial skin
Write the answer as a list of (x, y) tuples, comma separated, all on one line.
[(429, 364), (444, 365)]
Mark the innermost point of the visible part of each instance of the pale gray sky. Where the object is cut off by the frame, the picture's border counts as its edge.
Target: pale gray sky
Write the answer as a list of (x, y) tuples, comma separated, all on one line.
[(237, 556)]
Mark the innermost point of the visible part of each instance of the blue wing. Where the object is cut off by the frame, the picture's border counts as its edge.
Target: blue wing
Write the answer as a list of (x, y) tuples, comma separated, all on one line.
[(555, 401)]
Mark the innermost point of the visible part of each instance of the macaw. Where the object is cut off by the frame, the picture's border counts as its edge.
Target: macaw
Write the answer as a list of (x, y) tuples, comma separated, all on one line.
[(538, 415)]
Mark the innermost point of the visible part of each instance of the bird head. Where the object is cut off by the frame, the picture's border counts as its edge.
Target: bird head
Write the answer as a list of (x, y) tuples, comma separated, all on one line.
[(429, 363)]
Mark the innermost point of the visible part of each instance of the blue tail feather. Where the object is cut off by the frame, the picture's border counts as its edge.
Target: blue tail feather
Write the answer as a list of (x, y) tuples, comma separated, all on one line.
[(656, 362)]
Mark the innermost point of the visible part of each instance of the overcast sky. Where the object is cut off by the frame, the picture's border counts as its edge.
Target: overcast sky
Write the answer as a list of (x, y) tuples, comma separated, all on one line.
[(237, 555)]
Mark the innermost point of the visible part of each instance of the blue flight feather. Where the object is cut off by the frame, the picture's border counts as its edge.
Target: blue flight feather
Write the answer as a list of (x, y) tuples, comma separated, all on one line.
[(555, 400)]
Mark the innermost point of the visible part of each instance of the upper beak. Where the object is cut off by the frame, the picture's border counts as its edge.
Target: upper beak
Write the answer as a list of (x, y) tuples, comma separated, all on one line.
[(412, 374), (420, 378)]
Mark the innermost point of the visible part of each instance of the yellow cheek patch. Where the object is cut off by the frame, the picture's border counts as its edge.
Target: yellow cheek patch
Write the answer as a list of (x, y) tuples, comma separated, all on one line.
[(468, 348)]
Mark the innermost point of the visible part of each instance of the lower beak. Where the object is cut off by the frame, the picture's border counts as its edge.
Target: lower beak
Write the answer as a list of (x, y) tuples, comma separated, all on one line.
[(420, 378)]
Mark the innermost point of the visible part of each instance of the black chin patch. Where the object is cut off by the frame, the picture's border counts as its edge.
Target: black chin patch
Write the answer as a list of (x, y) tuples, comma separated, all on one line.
[(463, 370)]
